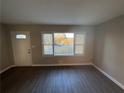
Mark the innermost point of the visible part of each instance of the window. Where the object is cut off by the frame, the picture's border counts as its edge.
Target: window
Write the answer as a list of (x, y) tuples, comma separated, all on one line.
[(20, 36), (79, 44), (63, 44), (48, 44)]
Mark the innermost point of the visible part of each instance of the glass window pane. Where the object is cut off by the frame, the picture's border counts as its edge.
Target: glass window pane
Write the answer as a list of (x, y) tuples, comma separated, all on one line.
[(20, 36), (79, 38), (64, 44), (48, 44), (47, 39), (63, 50), (79, 49), (48, 49)]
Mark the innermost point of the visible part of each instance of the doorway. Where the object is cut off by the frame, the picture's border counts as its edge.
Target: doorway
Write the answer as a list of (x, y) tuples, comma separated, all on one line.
[(21, 44)]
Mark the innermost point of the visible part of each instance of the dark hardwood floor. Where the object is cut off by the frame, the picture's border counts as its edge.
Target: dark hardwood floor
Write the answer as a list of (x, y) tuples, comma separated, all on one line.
[(76, 79)]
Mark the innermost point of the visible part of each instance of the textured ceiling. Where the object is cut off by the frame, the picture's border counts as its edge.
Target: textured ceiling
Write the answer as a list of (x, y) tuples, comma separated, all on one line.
[(64, 12)]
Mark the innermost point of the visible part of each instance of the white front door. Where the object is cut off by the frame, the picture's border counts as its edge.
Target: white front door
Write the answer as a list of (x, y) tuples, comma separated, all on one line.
[(21, 44)]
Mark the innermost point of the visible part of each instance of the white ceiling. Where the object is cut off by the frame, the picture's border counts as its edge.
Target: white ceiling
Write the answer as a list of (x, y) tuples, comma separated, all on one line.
[(64, 12)]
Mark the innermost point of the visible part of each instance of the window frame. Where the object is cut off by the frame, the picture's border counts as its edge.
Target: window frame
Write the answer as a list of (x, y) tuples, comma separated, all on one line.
[(81, 44), (52, 55), (73, 45), (42, 44)]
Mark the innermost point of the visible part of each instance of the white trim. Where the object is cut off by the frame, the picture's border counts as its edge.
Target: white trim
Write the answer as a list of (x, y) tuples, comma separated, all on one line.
[(110, 77), (73, 64), (9, 67)]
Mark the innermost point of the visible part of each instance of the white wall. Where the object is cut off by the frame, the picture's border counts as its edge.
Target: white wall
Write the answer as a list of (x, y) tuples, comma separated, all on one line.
[(0, 47), (36, 40), (0, 34), (109, 48), (5, 48)]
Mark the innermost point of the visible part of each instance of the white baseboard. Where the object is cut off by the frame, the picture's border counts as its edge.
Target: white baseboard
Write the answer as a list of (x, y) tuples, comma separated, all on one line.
[(110, 77), (62, 64), (7, 69)]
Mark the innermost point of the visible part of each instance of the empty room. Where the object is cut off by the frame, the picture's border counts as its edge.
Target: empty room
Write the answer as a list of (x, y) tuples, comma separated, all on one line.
[(61, 46)]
